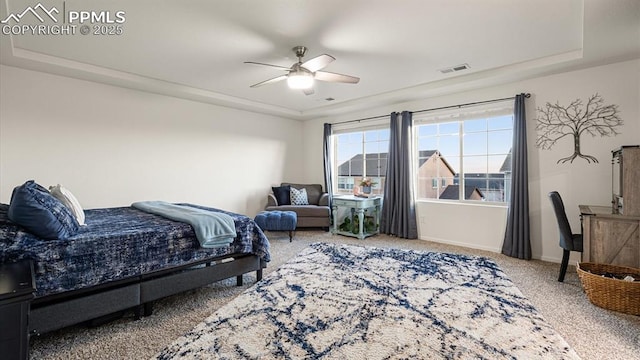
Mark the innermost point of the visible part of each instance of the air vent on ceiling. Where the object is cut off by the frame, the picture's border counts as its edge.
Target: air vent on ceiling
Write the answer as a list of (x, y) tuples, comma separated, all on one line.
[(454, 68)]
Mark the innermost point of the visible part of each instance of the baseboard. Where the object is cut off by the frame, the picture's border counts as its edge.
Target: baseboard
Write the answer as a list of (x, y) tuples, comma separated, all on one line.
[(492, 249), (463, 244)]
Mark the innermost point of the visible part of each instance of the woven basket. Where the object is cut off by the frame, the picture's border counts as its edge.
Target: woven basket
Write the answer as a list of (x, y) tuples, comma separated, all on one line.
[(610, 293)]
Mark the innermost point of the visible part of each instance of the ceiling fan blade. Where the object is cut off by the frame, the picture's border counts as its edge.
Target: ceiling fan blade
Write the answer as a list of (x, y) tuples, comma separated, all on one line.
[(333, 77), (317, 62), (275, 66), (308, 91), (270, 81)]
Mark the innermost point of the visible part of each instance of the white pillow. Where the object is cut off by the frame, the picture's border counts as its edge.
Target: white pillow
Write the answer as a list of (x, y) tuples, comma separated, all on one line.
[(299, 197), (66, 197)]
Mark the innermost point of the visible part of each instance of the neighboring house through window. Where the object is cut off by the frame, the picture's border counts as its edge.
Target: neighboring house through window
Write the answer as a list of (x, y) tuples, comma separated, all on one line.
[(435, 172)]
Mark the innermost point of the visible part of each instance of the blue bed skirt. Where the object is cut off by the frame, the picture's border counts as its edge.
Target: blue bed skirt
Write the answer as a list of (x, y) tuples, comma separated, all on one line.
[(116, 244)]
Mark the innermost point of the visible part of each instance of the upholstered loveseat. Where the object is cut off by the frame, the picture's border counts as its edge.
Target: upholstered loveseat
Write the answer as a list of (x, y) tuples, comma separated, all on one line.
[(316, 214)]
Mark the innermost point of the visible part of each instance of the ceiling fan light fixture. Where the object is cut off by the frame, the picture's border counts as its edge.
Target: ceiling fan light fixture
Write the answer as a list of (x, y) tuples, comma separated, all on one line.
[(300, 80), (302, 75)]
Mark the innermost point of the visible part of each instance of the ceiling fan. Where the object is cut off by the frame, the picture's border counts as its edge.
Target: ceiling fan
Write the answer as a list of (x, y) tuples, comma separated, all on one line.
[(301, 75)]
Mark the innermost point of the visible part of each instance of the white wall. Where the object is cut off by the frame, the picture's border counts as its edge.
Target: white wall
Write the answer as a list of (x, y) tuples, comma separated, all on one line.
[(577, 182), (111, 146)]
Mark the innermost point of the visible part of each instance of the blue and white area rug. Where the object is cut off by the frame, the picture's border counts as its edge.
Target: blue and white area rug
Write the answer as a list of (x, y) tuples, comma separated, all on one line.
[(354, 302)]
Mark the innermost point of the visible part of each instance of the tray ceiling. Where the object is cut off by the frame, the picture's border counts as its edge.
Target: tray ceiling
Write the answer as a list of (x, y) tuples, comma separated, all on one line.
[(195, 49)]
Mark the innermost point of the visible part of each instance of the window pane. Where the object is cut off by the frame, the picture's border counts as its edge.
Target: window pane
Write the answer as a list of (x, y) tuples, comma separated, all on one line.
[(449, 188), (371, 148), (428, 130), (500, 141), (378, 183), (501, 122), (355, 137), (345, 183), (353, 149), (371, 135), (383, 167), (373, 167), (498, 191), (474, 164), (360, 154), (499, 164), (453, 163), (449, 146), (383, 146), (475, 125), (450, 128), (475, 143), (430, 143), (475, 186), (495, 190)]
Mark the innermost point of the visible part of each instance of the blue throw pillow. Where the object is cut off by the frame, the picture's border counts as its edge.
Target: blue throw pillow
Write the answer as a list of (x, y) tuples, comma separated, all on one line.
[(35, 209), (282, 194)]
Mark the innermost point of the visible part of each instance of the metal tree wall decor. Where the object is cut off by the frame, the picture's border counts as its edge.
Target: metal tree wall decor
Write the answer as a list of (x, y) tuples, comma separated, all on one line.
[(595, 118)]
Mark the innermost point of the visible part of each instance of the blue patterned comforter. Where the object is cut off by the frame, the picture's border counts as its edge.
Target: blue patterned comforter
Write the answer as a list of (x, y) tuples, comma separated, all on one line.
[(116, 244)]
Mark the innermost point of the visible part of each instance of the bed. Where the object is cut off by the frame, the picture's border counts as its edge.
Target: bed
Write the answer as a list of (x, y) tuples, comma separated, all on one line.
[(124, 258)]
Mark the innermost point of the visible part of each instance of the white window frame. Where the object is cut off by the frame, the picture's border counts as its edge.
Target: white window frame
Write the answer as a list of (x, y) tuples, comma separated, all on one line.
[(353, 127), (459, 115)]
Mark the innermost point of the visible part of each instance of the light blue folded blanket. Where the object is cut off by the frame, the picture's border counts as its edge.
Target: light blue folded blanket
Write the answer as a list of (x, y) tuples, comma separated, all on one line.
[(212, 229)]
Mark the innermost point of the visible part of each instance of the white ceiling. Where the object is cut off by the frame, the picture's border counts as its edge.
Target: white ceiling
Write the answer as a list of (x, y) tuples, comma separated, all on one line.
[(195, 49)]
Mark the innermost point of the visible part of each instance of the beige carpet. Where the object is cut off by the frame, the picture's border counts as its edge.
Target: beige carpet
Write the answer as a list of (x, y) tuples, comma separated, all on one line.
[(593, 332)]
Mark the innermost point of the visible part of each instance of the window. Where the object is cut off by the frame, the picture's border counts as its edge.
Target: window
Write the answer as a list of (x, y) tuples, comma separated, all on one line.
[(465, 154), (359, 154), (345, 183)]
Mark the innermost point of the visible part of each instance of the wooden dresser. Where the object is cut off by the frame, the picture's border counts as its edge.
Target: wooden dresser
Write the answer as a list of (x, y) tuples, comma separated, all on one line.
[(612, 233), (610, 238)]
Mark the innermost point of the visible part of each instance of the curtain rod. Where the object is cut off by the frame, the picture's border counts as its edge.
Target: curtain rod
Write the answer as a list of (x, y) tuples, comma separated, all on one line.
[(527, 95)]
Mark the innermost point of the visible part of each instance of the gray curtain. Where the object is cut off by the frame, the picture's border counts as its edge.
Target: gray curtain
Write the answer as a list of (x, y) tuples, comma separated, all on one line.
[(517, 242), (326, 152), (398, 215)]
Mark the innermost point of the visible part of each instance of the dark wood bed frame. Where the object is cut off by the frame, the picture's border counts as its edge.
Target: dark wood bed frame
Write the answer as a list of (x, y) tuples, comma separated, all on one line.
[(56, 311)]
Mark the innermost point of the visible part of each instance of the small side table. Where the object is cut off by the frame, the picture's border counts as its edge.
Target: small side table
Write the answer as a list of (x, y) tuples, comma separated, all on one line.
[(17, 287), (362, 219)]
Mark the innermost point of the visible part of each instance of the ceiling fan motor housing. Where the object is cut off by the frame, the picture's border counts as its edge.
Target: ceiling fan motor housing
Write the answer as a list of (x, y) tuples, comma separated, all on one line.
[(300, 52)]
